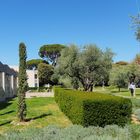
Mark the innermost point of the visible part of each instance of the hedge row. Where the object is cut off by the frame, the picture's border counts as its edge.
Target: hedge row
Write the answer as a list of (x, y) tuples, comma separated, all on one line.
[(96, 109)]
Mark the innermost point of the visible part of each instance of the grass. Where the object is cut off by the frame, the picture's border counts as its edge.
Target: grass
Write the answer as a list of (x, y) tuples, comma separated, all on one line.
[(123, 93), (44, 112), (112, 90), (41, 112), (43, 117)]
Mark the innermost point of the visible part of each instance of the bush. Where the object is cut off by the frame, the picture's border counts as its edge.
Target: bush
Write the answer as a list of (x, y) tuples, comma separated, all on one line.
[(96, 109), (75, 132)]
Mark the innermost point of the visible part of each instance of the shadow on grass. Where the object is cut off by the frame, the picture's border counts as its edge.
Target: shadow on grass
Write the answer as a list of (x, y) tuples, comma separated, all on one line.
[(8, 122), (7, 112), (39, 117), (6, 103)]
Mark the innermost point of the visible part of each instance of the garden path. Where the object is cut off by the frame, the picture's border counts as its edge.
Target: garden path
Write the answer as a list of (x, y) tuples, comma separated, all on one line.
[(39, 94)]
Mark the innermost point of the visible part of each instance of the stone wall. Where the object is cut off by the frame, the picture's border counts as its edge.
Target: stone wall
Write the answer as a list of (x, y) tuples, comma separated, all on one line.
[(8, 82)]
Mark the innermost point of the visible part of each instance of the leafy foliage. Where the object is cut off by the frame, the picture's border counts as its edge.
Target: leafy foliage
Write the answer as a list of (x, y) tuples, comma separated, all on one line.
[(121, 63), (67, 68), (134, 72), (51, 52), (22, 81), (33, 63), (136, 26), (76, 132), (119, 76), (122, 75), (93, 108), (45, 72), (88, 67)]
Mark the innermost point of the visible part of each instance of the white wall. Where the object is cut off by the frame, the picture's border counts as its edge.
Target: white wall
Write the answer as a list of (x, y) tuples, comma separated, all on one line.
[(32, 82)]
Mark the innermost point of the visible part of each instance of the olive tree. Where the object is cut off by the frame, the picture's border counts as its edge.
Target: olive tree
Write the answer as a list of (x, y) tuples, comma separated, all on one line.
[(94, 66), (68, 66), (122, 75), (88, 67), (119, 76)]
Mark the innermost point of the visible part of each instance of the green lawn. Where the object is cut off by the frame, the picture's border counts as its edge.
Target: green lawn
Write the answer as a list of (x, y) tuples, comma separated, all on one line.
[(43, 112), (40, 112), (123, 92)]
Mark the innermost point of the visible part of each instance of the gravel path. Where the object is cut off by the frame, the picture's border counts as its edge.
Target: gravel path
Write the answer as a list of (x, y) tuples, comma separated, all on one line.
[(39, 94)]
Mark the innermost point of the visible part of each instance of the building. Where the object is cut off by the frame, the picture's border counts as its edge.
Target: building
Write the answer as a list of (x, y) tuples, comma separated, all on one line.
[(8, 82), (32, 76)]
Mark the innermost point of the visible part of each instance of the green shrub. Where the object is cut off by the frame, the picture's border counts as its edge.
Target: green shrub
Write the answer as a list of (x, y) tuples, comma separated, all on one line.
[(75, 132), (96, 109)]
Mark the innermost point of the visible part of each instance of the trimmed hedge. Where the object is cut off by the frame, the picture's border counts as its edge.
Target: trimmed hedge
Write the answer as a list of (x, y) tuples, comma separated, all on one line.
[(98, 109)]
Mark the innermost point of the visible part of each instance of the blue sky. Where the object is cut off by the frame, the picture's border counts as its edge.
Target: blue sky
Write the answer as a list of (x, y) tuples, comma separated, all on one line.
[(106, 23)]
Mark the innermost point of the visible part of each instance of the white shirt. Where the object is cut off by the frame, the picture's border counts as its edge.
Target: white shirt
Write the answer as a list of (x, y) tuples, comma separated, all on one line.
[(132, 86)]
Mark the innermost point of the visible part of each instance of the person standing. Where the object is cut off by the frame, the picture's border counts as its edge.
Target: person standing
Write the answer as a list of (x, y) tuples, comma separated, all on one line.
[(132, 89)]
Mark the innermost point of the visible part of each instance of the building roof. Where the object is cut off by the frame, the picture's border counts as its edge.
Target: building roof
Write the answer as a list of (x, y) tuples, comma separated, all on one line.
[(7, 69)]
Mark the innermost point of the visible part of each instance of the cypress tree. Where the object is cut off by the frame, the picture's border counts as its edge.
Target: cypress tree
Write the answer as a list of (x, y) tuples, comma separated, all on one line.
[(22, 78)]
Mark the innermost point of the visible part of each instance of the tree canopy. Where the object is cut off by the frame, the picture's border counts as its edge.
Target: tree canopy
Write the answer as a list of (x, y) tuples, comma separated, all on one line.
[(119, 76), (45, 72), (94, 66), (51, 52), (136, 26), (87, 67), (67, 67), (33, 63), (122, 75), (122, 63)]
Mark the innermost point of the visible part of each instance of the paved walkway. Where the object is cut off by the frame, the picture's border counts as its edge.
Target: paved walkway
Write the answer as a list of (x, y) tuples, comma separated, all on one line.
[(39, 94)]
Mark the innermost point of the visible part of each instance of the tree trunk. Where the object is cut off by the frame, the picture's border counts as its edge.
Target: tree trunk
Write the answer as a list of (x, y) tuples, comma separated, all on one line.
[(88, 85), (91, 88), (85, 88), (119, 89), (103, 85)]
